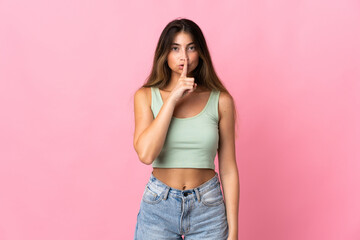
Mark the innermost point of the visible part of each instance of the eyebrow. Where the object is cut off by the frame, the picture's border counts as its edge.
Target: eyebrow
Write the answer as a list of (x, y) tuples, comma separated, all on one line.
[(179, 44)]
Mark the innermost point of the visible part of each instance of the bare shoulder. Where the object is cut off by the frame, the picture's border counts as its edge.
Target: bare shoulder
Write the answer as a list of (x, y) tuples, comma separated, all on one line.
[(143, 97), (226, 105)]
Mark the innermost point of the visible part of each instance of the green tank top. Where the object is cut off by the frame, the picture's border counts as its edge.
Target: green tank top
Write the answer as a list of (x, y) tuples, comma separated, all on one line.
[(190, 142)]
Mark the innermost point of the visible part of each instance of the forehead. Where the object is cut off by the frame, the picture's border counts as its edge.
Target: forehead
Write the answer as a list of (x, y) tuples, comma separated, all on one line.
[(182, 38)]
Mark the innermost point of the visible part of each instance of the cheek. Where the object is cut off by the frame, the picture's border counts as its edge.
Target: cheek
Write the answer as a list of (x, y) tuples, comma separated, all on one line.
[(195, 60), (171, 60), (195, 57)]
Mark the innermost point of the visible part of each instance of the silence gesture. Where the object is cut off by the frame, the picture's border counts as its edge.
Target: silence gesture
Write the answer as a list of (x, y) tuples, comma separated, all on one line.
[(185, 85)]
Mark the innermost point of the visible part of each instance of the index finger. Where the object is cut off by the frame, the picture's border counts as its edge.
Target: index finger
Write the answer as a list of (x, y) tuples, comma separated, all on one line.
[(184, 72)]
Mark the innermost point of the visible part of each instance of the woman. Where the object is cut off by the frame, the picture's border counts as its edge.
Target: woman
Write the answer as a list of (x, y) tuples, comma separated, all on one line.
[(183, 117)]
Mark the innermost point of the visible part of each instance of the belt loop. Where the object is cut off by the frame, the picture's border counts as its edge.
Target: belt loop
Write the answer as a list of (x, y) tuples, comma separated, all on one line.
[(166, 193), (197, 194)]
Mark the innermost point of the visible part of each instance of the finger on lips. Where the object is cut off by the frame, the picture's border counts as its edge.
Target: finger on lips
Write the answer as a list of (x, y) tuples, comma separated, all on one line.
[(184, 72)]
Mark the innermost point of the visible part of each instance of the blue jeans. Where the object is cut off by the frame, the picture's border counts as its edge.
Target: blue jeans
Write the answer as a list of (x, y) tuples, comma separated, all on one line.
[(167, 213)]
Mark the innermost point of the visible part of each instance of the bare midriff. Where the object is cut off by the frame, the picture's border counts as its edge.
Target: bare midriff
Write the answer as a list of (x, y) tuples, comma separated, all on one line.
[(183, 178)]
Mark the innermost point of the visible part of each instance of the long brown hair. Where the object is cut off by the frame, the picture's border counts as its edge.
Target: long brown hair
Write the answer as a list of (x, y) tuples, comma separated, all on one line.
[(204, 73)]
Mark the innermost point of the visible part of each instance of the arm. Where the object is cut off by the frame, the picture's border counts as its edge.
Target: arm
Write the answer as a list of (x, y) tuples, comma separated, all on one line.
[(150, 133), (227, 162)]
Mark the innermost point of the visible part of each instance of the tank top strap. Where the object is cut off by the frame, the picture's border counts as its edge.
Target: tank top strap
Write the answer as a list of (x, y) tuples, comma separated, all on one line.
[(156, 101), (212, 108)]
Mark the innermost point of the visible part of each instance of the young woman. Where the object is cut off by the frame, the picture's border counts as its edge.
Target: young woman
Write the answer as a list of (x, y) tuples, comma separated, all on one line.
[(183, 117)]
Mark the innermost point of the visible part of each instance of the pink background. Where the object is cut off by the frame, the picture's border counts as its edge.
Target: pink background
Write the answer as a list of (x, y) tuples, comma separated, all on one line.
[(68, 72)]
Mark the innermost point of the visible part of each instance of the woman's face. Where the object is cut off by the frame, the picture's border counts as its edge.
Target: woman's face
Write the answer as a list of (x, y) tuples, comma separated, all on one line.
[(181, 48)]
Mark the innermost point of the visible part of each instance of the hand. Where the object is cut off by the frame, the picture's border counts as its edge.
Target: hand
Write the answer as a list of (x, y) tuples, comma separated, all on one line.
[(184, 86)]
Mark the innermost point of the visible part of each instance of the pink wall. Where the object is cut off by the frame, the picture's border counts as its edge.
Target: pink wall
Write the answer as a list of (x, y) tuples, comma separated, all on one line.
[(68, 71)]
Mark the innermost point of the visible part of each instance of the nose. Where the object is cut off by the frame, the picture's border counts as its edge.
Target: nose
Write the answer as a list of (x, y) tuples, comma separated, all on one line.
[(184, 55)]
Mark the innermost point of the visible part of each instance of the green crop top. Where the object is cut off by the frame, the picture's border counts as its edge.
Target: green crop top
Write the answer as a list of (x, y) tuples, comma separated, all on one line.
[(190, 142)]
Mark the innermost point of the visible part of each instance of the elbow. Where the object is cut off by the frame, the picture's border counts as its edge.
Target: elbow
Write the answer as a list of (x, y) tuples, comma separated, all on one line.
[(143, 156), (146, 159)]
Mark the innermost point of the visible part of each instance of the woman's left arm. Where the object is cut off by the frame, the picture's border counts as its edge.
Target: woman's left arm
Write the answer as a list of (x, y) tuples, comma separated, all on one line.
[(227, 162)]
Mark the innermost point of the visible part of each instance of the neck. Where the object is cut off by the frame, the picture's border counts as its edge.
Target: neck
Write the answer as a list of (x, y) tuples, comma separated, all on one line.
[(173, 80)]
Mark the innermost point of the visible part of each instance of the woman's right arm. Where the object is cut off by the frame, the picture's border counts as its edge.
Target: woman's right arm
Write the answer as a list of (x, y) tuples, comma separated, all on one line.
[(150, 133)]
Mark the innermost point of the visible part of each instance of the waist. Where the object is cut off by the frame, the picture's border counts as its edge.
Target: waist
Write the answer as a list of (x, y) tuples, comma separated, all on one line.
[(185, 158), (183, 178)]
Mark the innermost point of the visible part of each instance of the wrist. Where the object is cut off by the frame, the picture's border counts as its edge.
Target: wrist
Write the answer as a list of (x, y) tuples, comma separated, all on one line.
[(233, 234)]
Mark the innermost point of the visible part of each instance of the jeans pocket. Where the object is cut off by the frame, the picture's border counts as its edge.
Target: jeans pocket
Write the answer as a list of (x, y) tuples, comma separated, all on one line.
[(213, 197), (150, 196)]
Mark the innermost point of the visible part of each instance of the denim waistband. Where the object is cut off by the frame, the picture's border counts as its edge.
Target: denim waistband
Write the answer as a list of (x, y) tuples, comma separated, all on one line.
[(203, 188)]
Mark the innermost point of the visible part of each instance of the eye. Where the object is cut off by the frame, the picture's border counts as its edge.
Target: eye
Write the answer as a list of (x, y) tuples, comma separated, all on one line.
[(192, 48), (173, 48)]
